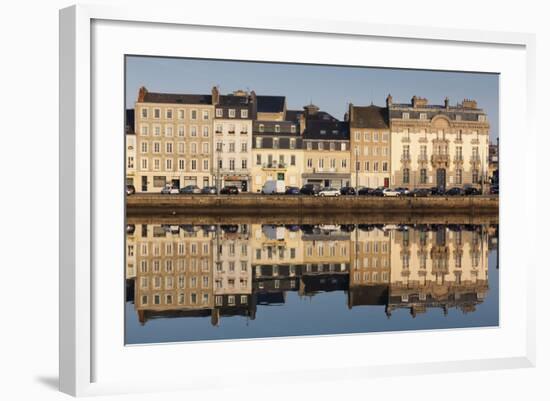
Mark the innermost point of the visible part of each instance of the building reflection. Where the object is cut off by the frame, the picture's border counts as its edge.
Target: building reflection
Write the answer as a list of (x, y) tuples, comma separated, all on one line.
[(220, 271)]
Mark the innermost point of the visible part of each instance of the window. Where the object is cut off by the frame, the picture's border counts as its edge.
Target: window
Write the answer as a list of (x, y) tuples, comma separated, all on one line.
[(169, 114), (156, 113), (321, 163), (181, 114), (277, 128), (275, 143), (405, 116), (168, 163), (475, 176), (205, 165), (144, 147), (357, 136), (344, 163), (156, 147), (292, 160), (258, 143), (423, 116), (219, 129), (205, 147), (385, 137), (181, 164), (144, 164), (231, 113), (292, 143), (244, 164), (181, 147), (130, 162), (144, 112), (194, 165), (332, 163), (309, 163), (244, 147), (169, 146), (385, 166), (343, 147), (320, 145), (231, 128), (459, 135), (193, 131), (367, 166), (458, 176), (232, 164), (244, 129), (205, 115), (293, 129), (375, 166), (181, 131), (261, 128), (406, 176), (169, 130), (367, 136), (244, 113), (144, 130), (205, 131), (481, 118), (232, 147), (423, 176), (309, 146), (157, 130), (156, 165), (332, 146), (219, 113), (193, 114), (258, 160)]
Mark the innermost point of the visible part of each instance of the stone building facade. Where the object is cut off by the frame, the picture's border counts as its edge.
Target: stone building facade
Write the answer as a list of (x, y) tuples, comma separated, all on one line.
[(174, 140), (370, 142), (438, 145)]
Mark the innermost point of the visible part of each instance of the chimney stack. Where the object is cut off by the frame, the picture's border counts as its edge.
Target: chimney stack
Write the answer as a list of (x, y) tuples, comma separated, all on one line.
[(215, 95), (389, 100), (142, 93)]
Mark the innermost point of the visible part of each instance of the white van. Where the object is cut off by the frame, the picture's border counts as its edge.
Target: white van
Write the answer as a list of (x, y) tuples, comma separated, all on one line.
[(273, 187)]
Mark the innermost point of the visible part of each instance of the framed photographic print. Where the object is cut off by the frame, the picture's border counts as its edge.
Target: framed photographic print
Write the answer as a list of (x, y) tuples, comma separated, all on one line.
[(277, 190)]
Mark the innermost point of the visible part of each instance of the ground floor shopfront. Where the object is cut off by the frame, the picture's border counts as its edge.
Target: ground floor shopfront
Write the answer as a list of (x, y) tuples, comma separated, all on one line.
[(154, 182), (327, 180), (241, 181)]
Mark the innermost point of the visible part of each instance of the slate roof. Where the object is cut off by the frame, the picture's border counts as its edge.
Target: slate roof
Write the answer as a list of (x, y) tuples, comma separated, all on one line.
[(154, 97), (369, 117), (330, 130), (270, 104)]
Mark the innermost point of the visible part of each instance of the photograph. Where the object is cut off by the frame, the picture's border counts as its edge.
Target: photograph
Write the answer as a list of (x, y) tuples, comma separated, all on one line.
[(272, 199)]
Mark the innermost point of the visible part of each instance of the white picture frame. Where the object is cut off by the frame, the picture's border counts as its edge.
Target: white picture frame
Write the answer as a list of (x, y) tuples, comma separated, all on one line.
[(93, 362)]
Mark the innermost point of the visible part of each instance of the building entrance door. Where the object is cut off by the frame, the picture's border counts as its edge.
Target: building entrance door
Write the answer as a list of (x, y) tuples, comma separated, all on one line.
[(176, 183), (441, 179), (386, 182), (144, 184)]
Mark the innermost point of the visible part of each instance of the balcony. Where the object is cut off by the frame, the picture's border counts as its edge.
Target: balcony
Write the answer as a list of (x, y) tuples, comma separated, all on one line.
[(440, 158), (219, 132), (475, 159), (232, 132), (458, 159), (274, 166), (406, 158), (244, 132)]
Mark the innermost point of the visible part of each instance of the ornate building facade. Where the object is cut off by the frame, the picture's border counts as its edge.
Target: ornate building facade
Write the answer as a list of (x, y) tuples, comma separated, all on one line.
[(438, 145)]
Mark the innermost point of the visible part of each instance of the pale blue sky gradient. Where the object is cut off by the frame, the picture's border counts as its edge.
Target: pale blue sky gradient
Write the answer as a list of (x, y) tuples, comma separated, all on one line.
[(331, 88)]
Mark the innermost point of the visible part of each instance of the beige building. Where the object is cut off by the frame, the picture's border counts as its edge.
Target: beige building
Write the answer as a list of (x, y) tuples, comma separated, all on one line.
[(370, 144), (438, 145), (174, 140), (130, 141), (173, 270)]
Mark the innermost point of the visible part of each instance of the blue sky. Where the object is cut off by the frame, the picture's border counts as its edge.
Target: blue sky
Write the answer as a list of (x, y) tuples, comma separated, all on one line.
[(331, 88)]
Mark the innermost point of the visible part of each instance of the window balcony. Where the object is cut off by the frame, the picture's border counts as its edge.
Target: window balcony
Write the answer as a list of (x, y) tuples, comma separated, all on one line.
[(219, 132), (475, 159), (244, 132), (440, 158), (274, 166), (422, 158), (231, 132), (406, 157), (458, 159)]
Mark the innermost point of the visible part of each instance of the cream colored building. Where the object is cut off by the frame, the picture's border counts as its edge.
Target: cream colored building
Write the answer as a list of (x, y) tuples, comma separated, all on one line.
[(174, 140), (438, 145), (233, 138), (370, 144), (130, 141)]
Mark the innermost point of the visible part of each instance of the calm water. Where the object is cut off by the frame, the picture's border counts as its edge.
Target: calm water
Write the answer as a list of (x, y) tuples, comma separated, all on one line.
[(189, 282)]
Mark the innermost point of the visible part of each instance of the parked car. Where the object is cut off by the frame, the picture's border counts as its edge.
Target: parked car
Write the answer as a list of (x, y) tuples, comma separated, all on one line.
[(310, 189), (273, 187), (190, 189), (130, 189), (329, 192), (208, 191), (494, 189), (469, 190), (365, 191), (437, 191), (292, 191), (378, 191), (229, 190), (420, 192), (390, 192), (169, 189), (130, 228), (347, 191), (455, 191), (402, 191)]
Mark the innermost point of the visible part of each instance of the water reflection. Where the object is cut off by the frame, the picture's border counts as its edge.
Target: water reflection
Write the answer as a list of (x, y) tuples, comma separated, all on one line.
[(235, 273)]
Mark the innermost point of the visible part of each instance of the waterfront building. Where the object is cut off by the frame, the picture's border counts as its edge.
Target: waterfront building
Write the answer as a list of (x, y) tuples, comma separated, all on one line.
[(438, 145), (277, 153), (326, 148), (173, 270), (370, 144), (174, 140), (493, 162), (233, 137), (442, 268), (130, 142)]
